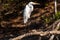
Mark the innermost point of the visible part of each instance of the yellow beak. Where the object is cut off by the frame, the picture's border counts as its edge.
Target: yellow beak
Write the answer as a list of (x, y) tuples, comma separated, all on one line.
[(36, 3)]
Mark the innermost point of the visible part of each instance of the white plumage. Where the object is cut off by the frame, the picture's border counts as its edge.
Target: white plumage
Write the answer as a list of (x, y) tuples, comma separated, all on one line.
[(27, 11)]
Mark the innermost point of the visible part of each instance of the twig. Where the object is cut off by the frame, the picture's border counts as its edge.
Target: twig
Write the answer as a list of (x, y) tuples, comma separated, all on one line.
[(57, 38), (54, 25), (51, 38), (39, 38), (55, 6)]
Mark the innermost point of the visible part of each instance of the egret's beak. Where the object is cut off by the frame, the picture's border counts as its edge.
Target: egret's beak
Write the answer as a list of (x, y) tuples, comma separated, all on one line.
[(36, 3)]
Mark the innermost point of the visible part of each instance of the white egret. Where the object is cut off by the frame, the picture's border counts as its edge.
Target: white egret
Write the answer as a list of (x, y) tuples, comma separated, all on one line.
[(27, 11)]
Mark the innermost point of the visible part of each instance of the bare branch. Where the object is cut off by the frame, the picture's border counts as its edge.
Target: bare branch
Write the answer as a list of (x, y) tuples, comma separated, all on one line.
[(36, 33)]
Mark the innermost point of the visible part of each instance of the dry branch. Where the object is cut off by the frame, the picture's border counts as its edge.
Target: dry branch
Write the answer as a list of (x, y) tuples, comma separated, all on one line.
[(55, 25), (36, 33)]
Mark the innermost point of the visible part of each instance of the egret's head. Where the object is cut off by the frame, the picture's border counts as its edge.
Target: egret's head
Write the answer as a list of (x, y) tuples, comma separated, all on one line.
[(33, 3)]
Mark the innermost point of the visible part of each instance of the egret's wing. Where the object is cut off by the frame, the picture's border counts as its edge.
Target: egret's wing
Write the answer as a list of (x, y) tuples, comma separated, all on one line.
[(26, 14)]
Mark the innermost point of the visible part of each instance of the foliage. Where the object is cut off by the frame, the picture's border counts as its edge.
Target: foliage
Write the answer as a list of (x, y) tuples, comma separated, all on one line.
[(57, 15)]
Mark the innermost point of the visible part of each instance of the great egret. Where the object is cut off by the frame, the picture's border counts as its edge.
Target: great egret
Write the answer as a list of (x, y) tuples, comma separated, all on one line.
[(27, 11)]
